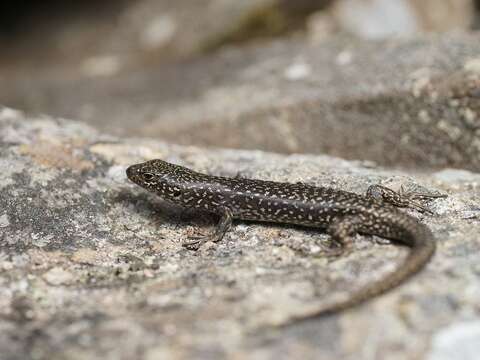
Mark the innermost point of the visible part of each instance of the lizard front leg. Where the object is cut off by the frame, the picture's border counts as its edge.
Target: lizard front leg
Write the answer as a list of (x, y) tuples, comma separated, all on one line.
[(342, 231), (223, 225)]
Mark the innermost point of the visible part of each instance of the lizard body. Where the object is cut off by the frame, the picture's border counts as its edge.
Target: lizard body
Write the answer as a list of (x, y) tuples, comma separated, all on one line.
[(341, 213)]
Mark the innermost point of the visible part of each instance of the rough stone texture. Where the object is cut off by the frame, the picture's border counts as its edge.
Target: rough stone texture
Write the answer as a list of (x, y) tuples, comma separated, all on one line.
[(92, 266), (399, 102)]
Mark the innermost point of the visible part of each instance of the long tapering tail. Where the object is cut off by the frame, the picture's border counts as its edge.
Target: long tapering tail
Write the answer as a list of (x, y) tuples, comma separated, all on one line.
[(422, 246)]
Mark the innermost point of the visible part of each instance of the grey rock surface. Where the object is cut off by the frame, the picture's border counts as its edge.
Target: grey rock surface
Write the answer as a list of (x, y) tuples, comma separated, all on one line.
[(92, 267), (398, 102)]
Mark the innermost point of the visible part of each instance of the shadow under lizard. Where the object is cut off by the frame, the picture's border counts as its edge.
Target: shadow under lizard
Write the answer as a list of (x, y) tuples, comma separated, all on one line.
[(341, 213)]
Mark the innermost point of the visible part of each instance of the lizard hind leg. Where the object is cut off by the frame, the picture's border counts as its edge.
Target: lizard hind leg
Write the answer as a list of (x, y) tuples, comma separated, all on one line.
[(342, 231)]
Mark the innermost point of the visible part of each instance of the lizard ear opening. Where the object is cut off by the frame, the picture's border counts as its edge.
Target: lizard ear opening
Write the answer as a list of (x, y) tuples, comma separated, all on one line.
[(177, 193)]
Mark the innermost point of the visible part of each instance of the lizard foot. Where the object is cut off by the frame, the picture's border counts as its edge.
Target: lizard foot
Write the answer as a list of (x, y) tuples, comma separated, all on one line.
[(403, 198)]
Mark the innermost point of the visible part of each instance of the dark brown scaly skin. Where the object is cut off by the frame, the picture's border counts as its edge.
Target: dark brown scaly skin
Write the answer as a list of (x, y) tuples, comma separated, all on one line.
[(341, 213)]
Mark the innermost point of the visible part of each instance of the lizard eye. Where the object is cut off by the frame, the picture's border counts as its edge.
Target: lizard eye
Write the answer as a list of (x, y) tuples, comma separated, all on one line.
[(177, 193), (148, 176)]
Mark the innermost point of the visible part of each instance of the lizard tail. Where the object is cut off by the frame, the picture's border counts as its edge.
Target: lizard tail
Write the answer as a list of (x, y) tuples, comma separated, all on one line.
[(422, 247)]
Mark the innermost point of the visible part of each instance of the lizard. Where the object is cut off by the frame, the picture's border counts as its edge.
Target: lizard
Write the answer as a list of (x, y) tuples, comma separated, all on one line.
[(342, 214)]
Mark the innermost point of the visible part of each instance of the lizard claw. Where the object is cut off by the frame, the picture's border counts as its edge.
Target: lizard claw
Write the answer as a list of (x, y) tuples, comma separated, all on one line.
[(195, 242)]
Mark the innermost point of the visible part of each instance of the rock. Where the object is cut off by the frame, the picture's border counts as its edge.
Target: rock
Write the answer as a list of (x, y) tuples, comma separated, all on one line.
[(121, 35), (398, 102), (119, 285), (461, 340), (58, 276), (379, 19), (446, 15)]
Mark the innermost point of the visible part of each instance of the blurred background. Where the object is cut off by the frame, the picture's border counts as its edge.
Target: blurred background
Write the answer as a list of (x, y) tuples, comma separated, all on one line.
[(162, 30), (265, 74)]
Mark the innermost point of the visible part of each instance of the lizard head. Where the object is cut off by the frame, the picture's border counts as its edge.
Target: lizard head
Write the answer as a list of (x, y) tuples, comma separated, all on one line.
[(167, 180)]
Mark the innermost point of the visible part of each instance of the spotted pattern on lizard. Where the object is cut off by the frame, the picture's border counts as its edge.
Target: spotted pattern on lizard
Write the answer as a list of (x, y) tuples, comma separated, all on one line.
[(341, 213)]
